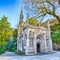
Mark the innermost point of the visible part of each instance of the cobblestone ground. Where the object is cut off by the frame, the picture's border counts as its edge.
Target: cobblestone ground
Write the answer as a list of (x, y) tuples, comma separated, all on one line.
[(53, 56)]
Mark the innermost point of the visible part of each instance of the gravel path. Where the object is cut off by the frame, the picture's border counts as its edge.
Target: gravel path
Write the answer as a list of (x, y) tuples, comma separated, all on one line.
[(8, 54), (53, 56)]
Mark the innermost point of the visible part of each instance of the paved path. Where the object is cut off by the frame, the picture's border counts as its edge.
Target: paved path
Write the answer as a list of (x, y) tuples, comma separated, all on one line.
[(53, 56), (9, 54)]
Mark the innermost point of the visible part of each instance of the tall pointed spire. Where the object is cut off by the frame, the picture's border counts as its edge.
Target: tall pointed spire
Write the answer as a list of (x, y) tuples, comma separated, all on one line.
[(27, 22), (21, 16)]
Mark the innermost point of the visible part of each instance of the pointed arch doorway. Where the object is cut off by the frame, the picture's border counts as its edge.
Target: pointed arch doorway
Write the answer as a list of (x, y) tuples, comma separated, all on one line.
[(38, 47)]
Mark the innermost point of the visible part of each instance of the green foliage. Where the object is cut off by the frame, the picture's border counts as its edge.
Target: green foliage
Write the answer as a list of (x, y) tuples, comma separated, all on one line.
[(5, 30), (55, 37), (55, 33), (34, 22), (14, 49), (2, 50), (56, 27), (4, 44), (20, 53), (12, 46), (15, 33)]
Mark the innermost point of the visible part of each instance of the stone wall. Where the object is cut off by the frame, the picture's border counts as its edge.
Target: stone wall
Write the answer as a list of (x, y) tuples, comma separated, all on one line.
[(56, 46)]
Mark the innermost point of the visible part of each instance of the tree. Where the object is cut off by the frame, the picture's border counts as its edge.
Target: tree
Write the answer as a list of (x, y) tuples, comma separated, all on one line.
[(15, 33), (33, 22), (47, 7), (56, 28), (30, 8), (55, 33), (59, 1), (5, 30)]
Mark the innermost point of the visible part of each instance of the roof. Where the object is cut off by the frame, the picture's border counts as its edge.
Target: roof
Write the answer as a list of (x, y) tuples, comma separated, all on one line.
[(51, 22)]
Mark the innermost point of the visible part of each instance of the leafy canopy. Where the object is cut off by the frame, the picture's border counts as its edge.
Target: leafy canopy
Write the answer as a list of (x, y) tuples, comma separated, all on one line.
[(56, 27), (5, 29), (33, 22)]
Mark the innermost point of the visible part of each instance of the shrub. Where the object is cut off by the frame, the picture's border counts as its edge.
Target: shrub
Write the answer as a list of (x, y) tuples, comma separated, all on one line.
[(14, 49), (12, 46), (56, 38), (2, 50), (20, 52), (4, 44)]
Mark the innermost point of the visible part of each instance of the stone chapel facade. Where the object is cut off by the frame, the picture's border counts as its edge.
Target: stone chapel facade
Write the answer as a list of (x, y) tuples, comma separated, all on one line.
[(32, 40)]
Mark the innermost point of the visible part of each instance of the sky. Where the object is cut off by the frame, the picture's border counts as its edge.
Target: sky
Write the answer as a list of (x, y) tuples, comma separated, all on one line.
[(11, 9)]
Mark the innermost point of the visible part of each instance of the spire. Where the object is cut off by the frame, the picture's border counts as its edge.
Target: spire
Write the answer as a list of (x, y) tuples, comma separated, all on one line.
[(21, 16), (27, 22)]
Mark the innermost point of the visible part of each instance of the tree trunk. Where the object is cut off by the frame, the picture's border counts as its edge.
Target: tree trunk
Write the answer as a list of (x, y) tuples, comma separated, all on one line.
[(57, 17)]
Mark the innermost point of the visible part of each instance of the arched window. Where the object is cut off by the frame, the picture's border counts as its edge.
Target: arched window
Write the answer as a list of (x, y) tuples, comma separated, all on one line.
[(31, 34), (39, 36), (31, 42), (31, 38)]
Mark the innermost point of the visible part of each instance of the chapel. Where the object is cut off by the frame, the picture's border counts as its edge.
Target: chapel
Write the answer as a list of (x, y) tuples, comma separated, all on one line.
[(33, 40)]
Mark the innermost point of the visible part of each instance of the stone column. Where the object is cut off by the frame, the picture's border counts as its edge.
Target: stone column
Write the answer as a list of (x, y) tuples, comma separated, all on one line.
[(43, 44), (27, 44), (35, 45), (17, 44), (50, 41), (18, 36)]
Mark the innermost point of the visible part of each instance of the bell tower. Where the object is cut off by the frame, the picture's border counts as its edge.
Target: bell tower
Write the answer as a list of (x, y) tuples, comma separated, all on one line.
[(21, 17), (21, 24), (20, 28)]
